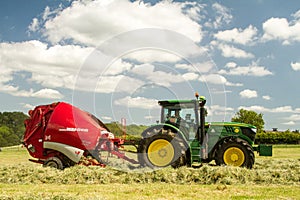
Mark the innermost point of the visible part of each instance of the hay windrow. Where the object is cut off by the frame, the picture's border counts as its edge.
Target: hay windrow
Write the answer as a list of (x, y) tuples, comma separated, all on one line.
[(284, 171)]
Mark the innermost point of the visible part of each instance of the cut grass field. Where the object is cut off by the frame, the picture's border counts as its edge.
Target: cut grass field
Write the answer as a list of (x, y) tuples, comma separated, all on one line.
[(276, 177)]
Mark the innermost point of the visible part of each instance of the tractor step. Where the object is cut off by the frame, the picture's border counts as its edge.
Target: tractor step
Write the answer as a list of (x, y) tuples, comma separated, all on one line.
[(196, 156)]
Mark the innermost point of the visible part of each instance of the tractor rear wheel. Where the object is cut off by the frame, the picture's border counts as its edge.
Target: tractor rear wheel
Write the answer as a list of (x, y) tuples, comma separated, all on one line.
[(235, 152), (161, 150), (54, 162)]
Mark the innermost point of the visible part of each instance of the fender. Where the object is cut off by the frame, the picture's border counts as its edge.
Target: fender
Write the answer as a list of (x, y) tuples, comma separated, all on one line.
[(71, 152), (156, 128)]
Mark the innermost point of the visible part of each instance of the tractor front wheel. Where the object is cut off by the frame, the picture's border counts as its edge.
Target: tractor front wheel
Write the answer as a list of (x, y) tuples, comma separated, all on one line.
[(161, 150), (54, 162), (235, 152)]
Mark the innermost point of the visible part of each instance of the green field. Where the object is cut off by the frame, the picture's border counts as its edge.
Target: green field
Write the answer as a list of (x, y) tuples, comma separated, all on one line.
[(276, 177)]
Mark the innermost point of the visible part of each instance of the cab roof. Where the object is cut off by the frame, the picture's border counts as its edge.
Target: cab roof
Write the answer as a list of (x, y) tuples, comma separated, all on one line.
[(166, 103)]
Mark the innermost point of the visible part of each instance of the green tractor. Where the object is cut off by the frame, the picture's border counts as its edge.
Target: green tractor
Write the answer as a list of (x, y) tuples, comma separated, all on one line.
[(184, 139)]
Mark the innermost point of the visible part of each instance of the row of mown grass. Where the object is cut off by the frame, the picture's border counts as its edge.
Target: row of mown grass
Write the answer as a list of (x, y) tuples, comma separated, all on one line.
[(285, 172), (271, 178), (282, 168)]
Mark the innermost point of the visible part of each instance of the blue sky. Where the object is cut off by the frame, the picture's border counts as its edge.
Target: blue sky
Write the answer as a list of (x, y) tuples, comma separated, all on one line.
[(116, 58)]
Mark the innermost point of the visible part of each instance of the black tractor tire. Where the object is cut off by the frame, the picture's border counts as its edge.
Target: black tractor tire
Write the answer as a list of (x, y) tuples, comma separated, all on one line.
[(235, 152), (162, 149), (54, 162)]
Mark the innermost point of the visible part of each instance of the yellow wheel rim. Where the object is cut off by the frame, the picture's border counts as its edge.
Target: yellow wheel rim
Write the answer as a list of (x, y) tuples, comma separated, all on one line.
[(234, 156), (160, 152)]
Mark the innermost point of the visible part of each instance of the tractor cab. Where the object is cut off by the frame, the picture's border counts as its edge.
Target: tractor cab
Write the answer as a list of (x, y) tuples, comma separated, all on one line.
[(186, 115), (182, 114)]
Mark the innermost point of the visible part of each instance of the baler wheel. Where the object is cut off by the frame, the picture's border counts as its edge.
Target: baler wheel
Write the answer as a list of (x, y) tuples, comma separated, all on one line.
[(54, 162), (235, 152)]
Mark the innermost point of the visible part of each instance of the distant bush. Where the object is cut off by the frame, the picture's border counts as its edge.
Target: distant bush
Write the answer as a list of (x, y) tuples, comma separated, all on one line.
[(285, 137), (133, 131)]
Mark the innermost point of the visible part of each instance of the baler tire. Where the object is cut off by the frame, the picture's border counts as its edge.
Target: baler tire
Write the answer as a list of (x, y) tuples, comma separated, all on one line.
[(177, 148), (54, 162), (237, 149)]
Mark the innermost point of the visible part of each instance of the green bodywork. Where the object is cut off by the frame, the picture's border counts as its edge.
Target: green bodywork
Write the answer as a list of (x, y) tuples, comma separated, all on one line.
[(215, 132)]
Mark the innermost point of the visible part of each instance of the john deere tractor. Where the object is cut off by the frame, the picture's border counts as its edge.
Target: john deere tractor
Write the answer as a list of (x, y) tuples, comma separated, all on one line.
[(184, 139)]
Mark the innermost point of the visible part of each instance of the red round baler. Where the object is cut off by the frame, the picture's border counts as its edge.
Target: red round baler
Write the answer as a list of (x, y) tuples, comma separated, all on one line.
[(61, 135)]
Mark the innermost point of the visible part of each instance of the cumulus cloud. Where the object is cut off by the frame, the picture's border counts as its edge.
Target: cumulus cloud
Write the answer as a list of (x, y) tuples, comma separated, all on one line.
[(230, 51), (149, 73), (223, 16), (43, 93), (54, 66), (27, 106), (218, 79), (137, 102), (232, 68), (295, 66), (219, 110), (92, 22), (201, 67), (289, 123), (281, 29), (238, 36), (266, 97), (47, 93), (248, 94), (257, 108), (294, 117), (34, 25)]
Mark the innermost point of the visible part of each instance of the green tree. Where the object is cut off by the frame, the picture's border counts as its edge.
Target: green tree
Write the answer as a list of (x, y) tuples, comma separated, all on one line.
[(250, 117), (7, 137), (14, 121)]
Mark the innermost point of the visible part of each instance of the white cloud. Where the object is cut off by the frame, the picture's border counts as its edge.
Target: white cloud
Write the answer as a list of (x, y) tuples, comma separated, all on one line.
[(137, 102), (217, 79), (148, 56), (110, 84), (147, 72), (248, 94), (289, 123), (238, 36), (230, 51), (203, 67), (223, 16), (107, 118), (266, 97), (58, 66), (296, 15), (92, 22), (251, 70), (281, 29), (294, 117), (34, 25), (43, 93), (27, 106), (48, 94), (295, 66), (219, 110), (53, 67), (257, 108)]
